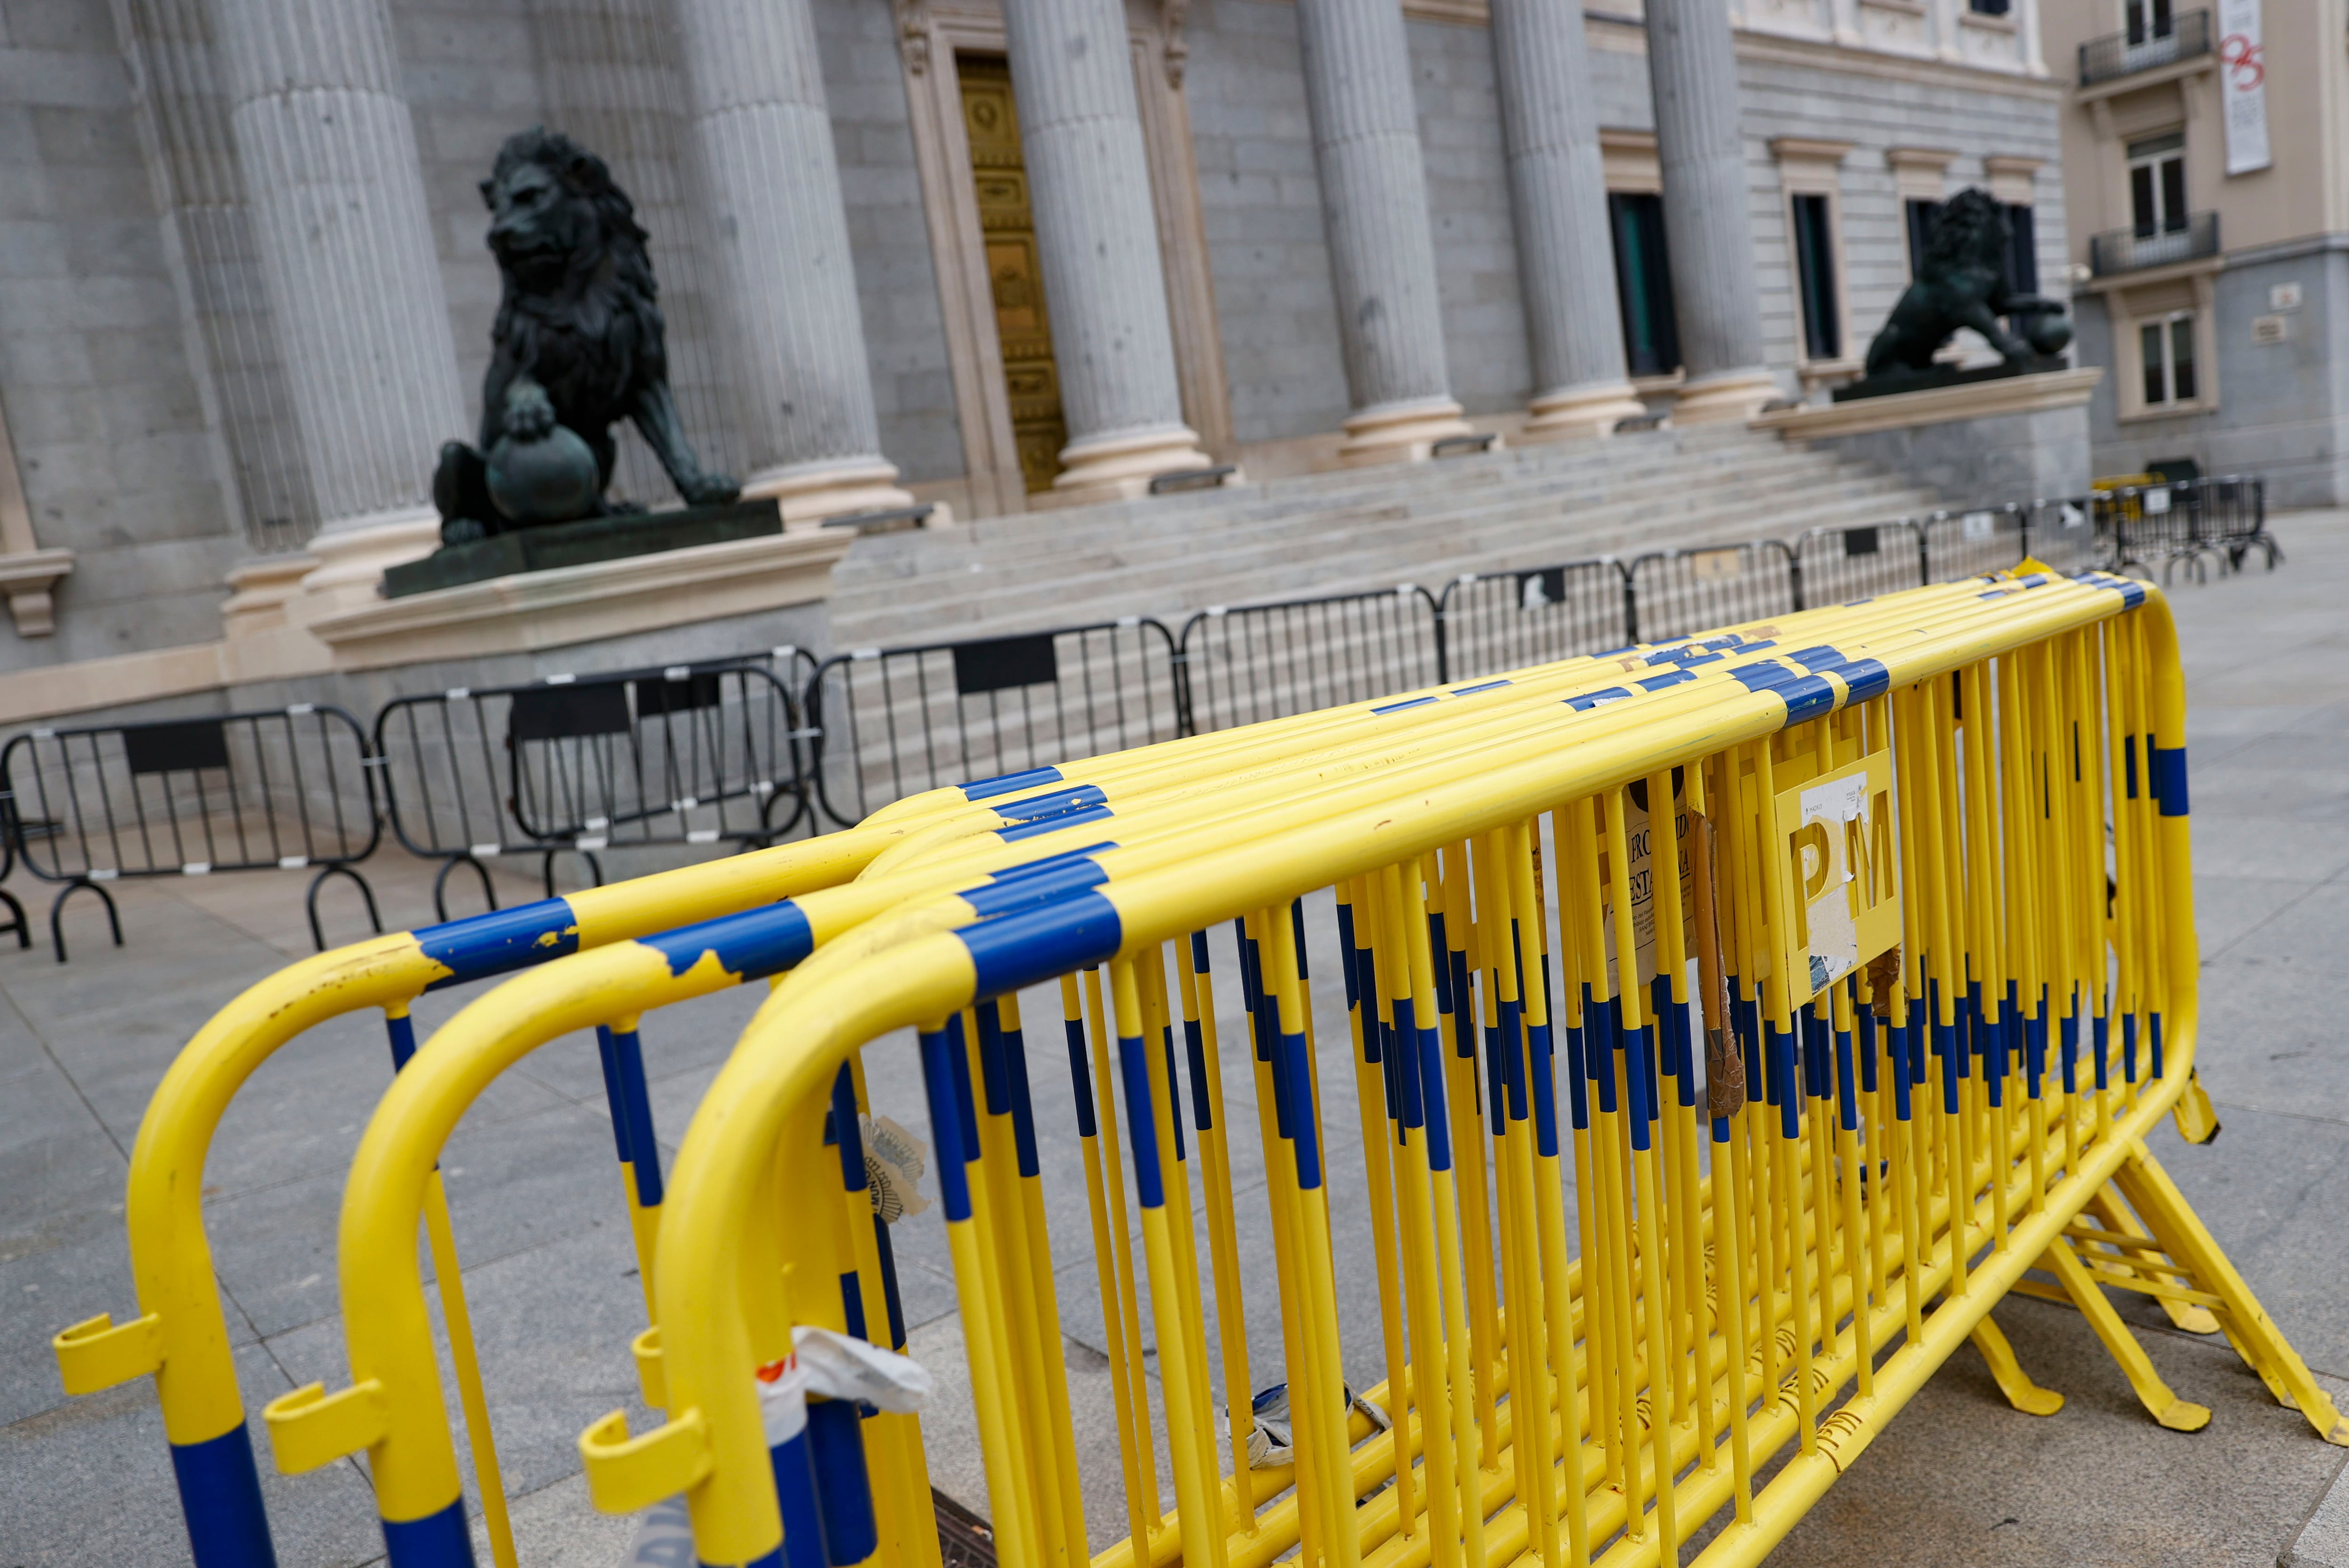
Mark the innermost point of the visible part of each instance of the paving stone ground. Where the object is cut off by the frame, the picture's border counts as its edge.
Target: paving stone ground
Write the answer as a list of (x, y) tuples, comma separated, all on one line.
[(1959, 1477)]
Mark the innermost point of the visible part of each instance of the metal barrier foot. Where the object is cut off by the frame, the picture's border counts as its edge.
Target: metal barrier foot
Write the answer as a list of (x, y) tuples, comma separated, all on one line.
[(2087, 1293), (440, 884), (318, 931), (57, 909), (2012, 1381), (16, 921), (2179, 1232)]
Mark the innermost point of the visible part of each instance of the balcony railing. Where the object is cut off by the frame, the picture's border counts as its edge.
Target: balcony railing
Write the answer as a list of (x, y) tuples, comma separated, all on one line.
[(2102, 59), (2128, 250)]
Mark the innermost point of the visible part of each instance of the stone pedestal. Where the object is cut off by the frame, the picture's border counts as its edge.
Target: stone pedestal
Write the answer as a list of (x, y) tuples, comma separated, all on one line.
[(712, 601), (2020, 435)]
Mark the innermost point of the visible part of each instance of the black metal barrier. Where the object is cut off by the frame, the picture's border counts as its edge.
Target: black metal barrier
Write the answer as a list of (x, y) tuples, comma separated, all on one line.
[(283, 788), (1675, 593), (892, 722), (1976, 542), (1248, 662), (1496, 621), (749, 750), (1837, 565), (2187, 520), (689, 755)]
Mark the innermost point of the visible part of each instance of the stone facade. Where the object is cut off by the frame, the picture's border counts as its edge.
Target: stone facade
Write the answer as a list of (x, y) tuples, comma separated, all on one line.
[(149, 413)]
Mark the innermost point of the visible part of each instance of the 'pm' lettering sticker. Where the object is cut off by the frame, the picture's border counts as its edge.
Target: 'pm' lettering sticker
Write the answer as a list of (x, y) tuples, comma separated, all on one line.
[(1844, 896)]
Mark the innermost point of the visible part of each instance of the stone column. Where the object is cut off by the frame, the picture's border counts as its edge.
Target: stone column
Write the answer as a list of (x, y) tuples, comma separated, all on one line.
[(788, 294), (1097, 240), (1374, 211), (1558, 191), (1701, 149), (329, 155)]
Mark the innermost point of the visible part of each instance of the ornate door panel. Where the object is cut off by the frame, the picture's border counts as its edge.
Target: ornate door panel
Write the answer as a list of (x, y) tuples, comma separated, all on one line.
[(1018, 285)]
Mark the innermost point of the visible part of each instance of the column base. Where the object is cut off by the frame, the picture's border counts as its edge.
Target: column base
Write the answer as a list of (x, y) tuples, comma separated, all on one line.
[(831, 487), (351, 555), (1730, 395), (1120, 467), (1400, 432), (1581, 412)]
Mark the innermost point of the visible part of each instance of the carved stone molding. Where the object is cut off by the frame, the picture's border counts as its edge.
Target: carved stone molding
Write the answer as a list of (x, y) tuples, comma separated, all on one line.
[(27, 573), (1175, 53)]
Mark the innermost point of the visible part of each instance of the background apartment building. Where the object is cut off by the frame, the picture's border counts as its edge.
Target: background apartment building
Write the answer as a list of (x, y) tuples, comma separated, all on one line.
[(2209, 183)]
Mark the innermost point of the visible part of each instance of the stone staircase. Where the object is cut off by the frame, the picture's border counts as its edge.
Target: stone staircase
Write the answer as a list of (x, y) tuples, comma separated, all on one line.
[(1336, 533)]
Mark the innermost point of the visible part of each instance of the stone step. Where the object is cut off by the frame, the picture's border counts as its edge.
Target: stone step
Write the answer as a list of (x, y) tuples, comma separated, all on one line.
[(1344, 558), (1213, 555), (1610, 524), (1414, 487)]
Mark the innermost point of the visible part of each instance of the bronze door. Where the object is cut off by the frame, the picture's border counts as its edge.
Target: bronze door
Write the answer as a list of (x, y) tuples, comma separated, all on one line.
[(1010, 233)]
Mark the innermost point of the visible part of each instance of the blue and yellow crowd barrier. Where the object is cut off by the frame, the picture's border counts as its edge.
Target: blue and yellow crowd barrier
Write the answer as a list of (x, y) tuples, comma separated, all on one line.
[(1926, 923)]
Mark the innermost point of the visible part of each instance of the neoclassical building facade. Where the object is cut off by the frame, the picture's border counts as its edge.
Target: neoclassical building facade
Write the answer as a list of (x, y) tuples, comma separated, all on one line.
[(986, 255)]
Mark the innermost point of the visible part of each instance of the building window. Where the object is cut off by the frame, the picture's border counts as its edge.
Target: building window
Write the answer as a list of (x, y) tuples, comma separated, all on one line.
[(1988, 7), (1814, 261), (1921, 216), (2156, 168), (2167, 348), (2022, 249), (2147, 19), (1643, 282)]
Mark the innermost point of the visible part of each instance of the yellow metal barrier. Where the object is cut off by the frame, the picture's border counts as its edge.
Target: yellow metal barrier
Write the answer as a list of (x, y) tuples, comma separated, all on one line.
[(412, 1455), (1893, 910)]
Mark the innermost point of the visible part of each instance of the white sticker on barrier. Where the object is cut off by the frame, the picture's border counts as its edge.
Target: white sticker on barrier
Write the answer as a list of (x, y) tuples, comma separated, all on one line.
[(596, 842), (483, 851), (292, 862), (103, 873), (2157, 502), (1978, 524), (702, 836), (196, 868)]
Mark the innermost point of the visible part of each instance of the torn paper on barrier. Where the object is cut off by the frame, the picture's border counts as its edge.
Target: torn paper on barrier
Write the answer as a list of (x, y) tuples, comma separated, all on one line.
[(1638, 840), (1825, 876)]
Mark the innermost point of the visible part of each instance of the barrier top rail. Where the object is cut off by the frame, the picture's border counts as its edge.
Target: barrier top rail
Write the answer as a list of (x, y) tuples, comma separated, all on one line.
[(712, 1442)]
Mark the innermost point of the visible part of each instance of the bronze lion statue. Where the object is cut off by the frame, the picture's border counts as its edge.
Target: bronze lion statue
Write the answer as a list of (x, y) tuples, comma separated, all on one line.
[(578, 343), (1961, 282)]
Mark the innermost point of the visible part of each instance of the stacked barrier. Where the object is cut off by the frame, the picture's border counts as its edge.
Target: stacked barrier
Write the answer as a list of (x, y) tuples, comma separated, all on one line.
[(1893, 922)]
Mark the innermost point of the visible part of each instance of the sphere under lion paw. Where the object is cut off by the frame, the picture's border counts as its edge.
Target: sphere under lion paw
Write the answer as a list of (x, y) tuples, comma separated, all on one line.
[(551, 479), (2049, 333)]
